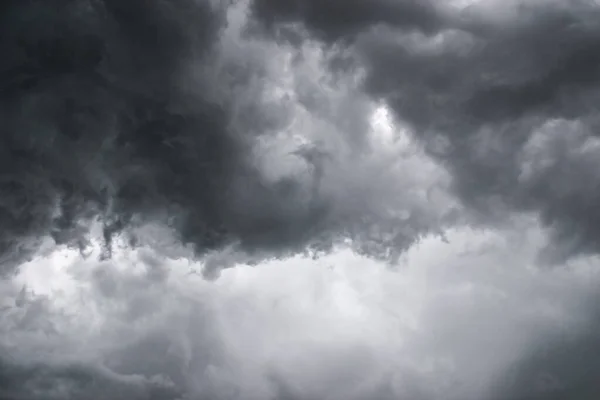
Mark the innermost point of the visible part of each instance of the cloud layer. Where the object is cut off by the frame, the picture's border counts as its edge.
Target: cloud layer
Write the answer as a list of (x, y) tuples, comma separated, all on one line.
[(490, 90), (148, 145), (470, 318), (138, 113)]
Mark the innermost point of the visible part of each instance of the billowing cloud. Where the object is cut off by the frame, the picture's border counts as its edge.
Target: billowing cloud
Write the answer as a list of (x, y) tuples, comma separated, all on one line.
[(139, 113), (339, 20), (148, 145), (469, 318), (91, 100), (480, 90)]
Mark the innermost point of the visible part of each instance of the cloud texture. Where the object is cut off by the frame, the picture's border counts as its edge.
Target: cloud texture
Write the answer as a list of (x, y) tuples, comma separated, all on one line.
[(133, 113), (502, 93), (453, 141), (469, 319)]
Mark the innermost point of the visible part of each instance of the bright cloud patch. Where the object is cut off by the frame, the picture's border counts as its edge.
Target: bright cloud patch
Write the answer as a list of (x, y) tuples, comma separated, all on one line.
[(452, 320)]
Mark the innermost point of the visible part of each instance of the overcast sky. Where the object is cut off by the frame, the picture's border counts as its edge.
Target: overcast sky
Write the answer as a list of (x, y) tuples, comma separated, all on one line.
[(299, 199)]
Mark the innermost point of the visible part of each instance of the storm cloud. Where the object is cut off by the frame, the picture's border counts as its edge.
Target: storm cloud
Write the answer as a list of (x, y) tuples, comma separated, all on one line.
[(375, 188), (90, 98), (134, 113), (502, 93)]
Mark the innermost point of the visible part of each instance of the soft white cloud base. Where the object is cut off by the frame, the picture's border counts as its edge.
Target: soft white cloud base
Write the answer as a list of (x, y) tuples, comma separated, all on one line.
[(447, 323)]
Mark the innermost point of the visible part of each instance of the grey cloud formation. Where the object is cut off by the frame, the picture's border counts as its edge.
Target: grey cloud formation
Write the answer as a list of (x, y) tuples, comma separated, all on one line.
[(340, 20), (133, 113), (480, 90), (170, 125), (95, 121), (482, 324), (77, 381)]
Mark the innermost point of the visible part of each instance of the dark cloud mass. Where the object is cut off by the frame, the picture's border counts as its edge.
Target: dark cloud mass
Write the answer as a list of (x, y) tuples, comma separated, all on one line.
[(339, 20), (136, 112), (101, 120), (96, 123), (49, 382), (481, 89), (245, 131)]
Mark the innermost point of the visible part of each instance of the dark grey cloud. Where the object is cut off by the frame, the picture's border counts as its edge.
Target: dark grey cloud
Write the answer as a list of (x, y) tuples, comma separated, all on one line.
[(557, 366), (141, 114), (481, 90), (504, 95), (95, 122), (130, 113), (78, 381), (341, 20)]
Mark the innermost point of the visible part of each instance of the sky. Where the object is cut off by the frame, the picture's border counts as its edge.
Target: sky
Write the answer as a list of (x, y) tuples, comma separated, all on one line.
[(299, 199)]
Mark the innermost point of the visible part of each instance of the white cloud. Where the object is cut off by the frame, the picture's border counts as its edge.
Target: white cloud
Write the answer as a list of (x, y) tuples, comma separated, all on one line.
[(446, 323)]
